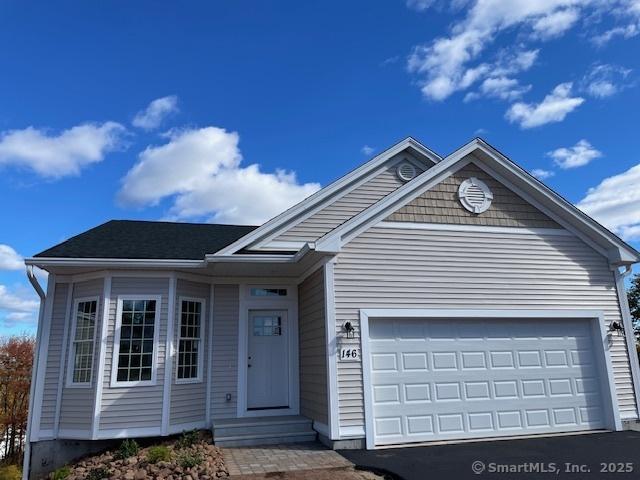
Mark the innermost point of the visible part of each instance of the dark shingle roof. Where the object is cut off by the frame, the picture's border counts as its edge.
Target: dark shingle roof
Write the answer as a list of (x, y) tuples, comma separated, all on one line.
[(151, 240)]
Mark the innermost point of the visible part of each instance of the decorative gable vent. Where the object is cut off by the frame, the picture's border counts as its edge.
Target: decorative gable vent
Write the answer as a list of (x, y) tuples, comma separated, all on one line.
[(475, 195), (406, 171)]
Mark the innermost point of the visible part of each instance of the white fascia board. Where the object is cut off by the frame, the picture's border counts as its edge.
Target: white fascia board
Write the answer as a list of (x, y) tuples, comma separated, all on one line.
[(326, 193), (113, 262), (618, 251)]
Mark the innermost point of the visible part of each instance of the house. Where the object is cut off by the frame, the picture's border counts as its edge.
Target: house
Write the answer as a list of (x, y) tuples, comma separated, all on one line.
[(417, 298)]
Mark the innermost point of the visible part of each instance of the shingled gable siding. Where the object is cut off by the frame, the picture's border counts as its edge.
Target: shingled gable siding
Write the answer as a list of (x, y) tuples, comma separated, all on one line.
[(352, 203), (313, 348), (136, 406), (188, 400), (76, 412), (52, 372), (441, 205), (226, 307)]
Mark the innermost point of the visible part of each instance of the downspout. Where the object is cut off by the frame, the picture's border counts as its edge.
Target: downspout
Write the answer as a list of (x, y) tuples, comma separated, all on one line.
[(27, 444)]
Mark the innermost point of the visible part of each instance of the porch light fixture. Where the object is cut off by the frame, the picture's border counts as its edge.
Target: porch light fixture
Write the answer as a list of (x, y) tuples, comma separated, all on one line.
[(348, 327), (616, 327)]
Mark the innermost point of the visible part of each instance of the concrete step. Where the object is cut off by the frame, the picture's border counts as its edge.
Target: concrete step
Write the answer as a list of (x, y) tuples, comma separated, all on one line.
[(267, 439), (249, 431)]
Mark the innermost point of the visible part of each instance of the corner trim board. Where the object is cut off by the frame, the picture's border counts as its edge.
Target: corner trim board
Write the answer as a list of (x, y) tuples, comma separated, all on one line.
[(331, 344), (168, 351), (104, 331)]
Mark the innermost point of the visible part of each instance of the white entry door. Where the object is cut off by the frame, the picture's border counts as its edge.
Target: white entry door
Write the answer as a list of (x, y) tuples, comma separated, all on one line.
[(268, 360), (468, 378)]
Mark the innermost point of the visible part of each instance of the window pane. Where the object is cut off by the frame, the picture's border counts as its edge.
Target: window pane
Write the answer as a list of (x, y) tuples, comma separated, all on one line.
[(189, 341), (83, 338), (136, 340)]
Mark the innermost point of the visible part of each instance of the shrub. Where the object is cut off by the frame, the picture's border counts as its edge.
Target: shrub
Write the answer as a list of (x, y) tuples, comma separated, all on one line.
[(61, 473), (188, 439), (189, 459), (10, 472), (98, 474), (159, 453), (128, 448)]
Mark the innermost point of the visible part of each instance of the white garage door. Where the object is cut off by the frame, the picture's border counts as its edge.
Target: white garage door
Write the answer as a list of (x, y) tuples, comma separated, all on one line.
[(435, 379)]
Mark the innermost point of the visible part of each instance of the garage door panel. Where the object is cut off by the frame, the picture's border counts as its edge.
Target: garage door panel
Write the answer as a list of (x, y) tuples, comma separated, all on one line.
[(493, 378)]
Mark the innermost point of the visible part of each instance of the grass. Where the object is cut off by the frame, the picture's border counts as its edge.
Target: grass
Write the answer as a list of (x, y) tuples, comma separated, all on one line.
[(159, 453)]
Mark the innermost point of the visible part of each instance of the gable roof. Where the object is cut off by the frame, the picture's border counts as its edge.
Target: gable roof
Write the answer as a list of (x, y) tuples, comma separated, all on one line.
[(507, 172), (120, 239), (324, 196)]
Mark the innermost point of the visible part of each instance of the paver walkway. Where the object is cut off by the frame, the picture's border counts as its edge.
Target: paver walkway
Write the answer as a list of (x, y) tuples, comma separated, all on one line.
[(281, 458)]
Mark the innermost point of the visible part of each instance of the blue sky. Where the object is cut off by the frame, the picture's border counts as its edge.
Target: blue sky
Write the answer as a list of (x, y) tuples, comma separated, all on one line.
[(232, 111)]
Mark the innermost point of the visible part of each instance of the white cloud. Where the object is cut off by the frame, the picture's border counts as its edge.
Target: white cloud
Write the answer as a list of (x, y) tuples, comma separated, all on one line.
[(367, 150), (615, 203), (605, 80), (201, 170), (504, 88), (627, 15), (454, 62), (581, 154), (17, 306), (419, 5), (64, 154), (153, 116), (443, 64), (542, 174), (555, 24), (553, 108), (10, 259)]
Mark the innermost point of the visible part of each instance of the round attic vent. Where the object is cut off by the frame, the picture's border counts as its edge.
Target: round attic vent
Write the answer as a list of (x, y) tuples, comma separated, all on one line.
[(406, 171), (475, 195)]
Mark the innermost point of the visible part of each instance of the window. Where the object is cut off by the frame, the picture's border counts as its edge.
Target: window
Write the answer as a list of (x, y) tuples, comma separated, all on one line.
[(136, 337), (267, 326), (190, 339), (268, 292), (84, 329)]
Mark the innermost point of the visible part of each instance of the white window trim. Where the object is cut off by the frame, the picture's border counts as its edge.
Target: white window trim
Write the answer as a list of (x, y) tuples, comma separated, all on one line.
[(203, 305), (70, 355), (114, 383)]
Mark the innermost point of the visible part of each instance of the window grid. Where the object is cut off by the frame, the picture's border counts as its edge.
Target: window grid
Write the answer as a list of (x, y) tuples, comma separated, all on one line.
[(189, 340), (137, 331), (83, 341), (267, 326)]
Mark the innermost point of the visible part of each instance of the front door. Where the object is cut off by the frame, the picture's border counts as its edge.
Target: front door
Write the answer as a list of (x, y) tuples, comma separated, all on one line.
[(268, 360)]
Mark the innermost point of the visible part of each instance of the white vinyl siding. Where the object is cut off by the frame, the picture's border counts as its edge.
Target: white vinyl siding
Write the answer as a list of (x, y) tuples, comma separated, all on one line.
[(188, 400), (225, 351), (76, 412), (413, 268), (138, 406), (53, 352), (313, 348), (362, 197)]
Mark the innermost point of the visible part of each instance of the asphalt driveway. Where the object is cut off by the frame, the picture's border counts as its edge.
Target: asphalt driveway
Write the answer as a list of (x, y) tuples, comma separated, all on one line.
[(611, 455)]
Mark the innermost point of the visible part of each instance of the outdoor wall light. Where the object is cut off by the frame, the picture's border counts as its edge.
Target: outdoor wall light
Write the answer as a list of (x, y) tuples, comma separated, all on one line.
[(349, 329), (616, 327)]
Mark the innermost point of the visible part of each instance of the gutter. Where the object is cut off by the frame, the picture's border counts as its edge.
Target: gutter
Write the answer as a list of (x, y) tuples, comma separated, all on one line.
[(161, 262), (36, 354)]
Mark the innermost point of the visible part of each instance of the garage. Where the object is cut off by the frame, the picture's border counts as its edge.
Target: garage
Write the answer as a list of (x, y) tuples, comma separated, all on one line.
[(430, 378)]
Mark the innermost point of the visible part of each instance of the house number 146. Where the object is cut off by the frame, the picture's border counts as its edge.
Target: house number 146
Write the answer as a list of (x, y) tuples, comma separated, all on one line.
[(349, 354)]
